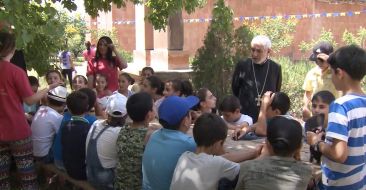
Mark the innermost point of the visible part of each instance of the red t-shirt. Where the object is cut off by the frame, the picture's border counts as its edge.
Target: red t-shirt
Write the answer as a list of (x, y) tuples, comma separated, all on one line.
[(105, 68), (89, 56), (14, 86)]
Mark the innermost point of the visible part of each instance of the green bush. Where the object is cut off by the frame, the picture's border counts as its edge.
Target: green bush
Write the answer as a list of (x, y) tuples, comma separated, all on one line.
[(280, 31), (213, 63), (125, 55), (293, 75), (325, 35), (358, 39)]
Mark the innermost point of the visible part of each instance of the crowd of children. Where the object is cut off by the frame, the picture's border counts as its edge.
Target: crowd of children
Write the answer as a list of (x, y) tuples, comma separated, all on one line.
[(108, 137)]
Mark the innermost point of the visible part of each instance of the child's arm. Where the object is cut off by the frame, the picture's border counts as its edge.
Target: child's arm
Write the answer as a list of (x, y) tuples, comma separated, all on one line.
[(40, 94), (243, 155), (305, 110), (337, 151), (234, 127), (260, 127), (123, 63)]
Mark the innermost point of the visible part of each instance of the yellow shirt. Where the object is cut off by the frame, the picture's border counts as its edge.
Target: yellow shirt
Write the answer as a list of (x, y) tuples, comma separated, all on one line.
[(316, 81)]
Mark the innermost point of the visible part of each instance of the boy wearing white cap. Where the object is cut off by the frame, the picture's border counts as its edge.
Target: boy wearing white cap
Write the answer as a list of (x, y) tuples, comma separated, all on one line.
[(101, 149), (46, 123)]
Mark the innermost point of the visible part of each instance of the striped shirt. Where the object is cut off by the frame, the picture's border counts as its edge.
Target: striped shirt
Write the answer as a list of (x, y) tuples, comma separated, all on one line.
[(347, 122)]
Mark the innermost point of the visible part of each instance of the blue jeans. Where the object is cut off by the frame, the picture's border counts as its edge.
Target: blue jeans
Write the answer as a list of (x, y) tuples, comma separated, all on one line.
[(101, 179)]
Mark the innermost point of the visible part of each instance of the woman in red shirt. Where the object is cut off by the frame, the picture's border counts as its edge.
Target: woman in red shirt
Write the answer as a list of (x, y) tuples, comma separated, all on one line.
[(15, 133), (106, 64)]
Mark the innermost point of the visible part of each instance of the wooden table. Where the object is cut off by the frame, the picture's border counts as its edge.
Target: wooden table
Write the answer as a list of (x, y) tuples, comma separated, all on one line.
[(231, 145)]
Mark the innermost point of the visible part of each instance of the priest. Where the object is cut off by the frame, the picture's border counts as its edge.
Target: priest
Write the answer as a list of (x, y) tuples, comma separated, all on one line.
[(256, 75)]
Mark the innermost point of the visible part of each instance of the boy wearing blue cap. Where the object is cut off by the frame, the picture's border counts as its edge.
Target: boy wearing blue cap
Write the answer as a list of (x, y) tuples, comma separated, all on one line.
[(168, 143)]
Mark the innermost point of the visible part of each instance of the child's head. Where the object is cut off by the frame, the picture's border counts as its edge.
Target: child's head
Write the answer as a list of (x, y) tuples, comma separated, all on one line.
[(53, 76), (7, 44), (92, 97), (140, 107), (230, 108), (146, 72), (153, 86), (79, 82), (101, 82), (57, 96), (33, 81), (279, 106), (116, 110), (207, 100), (320, 102), (187, 88), (210, 131), (173, 88), (322, 47), (174, 112), (348, 62), (77, 103), (284, 136), (315, 123), (124, 81)]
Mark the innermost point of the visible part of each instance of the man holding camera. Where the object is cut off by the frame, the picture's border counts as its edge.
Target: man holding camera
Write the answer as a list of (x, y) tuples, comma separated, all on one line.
[(318, 78)]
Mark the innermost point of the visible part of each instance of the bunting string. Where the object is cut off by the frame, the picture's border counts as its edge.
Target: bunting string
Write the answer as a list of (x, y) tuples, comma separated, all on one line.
[(254, 18)]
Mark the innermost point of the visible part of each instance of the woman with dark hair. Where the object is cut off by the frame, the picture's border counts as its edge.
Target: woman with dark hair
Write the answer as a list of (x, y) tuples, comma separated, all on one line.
[(106, 64), (89, 53)]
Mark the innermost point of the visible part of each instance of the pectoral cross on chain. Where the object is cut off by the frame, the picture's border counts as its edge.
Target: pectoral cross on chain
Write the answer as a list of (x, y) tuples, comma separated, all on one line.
[(258, 99)]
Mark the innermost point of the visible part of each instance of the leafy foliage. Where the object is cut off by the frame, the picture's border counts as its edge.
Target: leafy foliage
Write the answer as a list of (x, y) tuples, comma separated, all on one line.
[(325, 35), (75, 30), (160, 10), (242, 38), (358, 39), (213, 63), (293, 75), (37, 29), (280, 31)]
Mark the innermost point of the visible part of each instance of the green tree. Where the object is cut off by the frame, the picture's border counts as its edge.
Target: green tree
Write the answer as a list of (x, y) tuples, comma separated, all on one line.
[(75, 31), (280, 31), (160, 10), (242, 38), (37, 29), (213, 63)]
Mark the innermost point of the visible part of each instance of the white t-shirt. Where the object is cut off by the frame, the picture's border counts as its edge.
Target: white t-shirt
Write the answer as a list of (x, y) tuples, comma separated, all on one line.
[(106, 144), (243, 119), (202, 171), (65, 59), (44, 126), (103, 102)]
